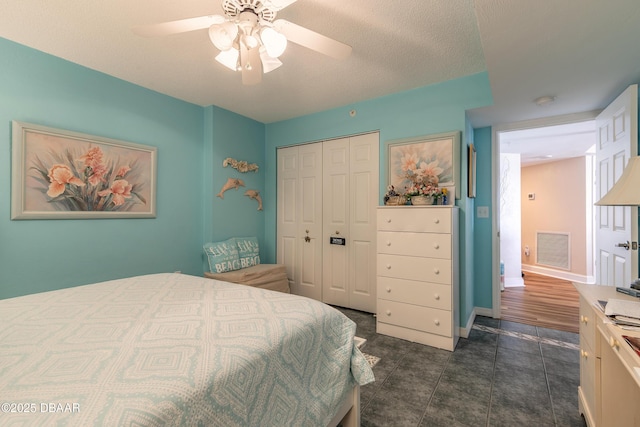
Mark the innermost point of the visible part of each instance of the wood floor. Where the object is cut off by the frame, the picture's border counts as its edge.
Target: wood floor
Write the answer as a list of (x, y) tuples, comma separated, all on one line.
[(543, 301)]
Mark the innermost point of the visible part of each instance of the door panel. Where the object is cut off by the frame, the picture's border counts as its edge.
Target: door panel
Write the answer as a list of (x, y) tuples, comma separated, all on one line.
[(336, 222), (364, 196), (299, 187), (617, 142)]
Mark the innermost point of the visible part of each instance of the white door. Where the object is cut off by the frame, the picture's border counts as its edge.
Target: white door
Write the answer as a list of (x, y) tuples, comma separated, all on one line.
[(350, 198), (299, 217), (617, 141), (364, 196), (335, 218)]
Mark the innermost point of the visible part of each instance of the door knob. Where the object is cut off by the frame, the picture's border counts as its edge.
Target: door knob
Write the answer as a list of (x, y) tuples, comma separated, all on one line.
[(623, 245)]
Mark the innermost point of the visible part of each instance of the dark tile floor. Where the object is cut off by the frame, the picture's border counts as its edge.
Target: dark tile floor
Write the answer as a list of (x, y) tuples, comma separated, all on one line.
[(503, 374)]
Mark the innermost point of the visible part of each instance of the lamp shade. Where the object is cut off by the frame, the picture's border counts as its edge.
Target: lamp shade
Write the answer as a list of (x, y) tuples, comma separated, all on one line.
[(223, 35), (626, 190), (229, 58), (273, 41)]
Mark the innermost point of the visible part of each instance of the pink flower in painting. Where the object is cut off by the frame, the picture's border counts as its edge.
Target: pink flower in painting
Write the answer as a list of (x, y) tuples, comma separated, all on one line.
[(120, 189), (93, 157), (123, 171), (60, 176), (95, 168), (409, 162)]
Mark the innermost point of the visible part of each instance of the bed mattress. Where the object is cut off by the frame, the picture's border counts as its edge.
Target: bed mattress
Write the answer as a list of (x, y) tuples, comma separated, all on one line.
[(174, 349)]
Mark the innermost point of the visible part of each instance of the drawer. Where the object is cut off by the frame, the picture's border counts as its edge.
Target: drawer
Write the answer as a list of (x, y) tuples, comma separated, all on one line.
[(413, 292), (432, 245), (433, 270), (587, 322), (411, 316), (412, 218)]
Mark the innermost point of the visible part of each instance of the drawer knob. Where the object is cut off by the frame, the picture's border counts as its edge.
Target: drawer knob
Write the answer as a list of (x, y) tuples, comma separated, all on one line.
[(388, 289), (388, 312), (437, 322), (613, 342), (436, 221), (437, 297), (436, 246), (584, 354), (388, 266), (388, 243), (389, 220), (436, 271), (584, 319)]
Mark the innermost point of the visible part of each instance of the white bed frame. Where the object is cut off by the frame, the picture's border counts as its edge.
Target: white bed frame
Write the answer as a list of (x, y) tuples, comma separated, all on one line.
[(349, 413)]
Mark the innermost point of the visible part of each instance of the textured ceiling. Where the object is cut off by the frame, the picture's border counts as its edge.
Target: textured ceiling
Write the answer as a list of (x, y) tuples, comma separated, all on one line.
[(582, 51)]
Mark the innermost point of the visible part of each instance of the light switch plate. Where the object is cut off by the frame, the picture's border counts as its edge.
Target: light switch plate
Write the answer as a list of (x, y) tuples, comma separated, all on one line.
[(482, 211)]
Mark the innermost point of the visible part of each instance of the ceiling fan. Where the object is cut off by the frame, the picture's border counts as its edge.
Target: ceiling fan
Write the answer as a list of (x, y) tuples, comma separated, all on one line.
[(249, 37)]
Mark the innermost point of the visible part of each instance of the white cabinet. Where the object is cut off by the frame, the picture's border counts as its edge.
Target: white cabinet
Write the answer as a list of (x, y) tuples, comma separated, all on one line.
[(609, 389), (417, 274)]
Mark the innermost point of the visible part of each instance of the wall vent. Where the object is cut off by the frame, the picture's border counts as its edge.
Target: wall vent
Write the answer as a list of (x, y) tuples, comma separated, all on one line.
[(553, 250)]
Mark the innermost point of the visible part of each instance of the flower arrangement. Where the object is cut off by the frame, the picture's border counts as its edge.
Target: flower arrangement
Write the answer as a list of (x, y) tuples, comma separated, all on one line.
[(89, 182), (423, 179)]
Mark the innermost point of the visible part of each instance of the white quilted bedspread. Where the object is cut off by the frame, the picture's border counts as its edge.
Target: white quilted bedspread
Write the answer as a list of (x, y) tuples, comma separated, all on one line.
[(173, 349)]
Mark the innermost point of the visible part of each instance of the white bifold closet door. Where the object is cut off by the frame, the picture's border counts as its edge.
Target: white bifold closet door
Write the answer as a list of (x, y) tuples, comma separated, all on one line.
[(299, 218), (343, 207)]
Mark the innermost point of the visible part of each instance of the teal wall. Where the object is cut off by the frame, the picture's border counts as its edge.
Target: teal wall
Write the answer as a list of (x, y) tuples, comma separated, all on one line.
[(429, 110), (482, 236), (231, 135), (192, 142), (39, 255)]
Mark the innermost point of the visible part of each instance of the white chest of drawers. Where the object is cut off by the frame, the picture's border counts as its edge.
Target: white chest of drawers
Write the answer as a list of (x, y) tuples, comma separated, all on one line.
[(417, 274)]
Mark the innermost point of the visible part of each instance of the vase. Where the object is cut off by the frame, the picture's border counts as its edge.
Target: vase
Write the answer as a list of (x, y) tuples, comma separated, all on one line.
[(421, 200)]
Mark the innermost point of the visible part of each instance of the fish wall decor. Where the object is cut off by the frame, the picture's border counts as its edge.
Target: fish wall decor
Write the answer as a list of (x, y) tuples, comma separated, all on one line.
[(231, 183), (254, 194)]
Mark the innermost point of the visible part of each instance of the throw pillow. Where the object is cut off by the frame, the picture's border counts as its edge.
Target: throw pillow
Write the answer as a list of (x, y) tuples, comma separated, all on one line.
[(248, 251), (222, 256)]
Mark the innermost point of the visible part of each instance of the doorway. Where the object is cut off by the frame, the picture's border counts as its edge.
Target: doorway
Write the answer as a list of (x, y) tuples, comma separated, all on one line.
[(535, 158)]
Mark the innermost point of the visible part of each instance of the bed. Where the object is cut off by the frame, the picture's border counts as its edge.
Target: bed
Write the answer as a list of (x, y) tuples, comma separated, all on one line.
[(174, 349)]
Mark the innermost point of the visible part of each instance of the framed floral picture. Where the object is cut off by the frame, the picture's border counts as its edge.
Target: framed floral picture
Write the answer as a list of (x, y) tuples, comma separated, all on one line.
[(58, 174), (424, 164)]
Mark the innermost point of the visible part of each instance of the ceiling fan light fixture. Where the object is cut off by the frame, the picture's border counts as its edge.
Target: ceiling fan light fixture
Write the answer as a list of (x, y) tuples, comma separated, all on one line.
[(274, 42), (223, 35), (269, 63), (229, 58)]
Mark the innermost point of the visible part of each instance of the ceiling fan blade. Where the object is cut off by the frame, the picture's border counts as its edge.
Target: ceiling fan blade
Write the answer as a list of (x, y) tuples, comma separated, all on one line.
[(312, 40), (251, 65), (277, 5), (180, 26)]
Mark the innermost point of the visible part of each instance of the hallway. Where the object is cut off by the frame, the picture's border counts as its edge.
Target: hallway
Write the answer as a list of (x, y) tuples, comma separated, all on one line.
[(544, 301)]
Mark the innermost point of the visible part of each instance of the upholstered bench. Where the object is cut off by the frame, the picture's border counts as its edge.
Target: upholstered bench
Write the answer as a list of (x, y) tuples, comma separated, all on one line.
[(265, 276)]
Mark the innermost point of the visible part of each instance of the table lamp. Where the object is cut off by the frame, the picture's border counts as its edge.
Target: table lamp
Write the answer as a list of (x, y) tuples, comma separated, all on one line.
[(626, 192)]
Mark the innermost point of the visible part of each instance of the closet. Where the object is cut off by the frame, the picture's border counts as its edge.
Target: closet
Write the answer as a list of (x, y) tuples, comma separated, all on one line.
[(327, 195)]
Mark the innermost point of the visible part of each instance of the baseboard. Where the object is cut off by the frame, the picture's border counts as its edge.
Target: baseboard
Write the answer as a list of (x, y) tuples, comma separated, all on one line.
[(466, 330), (477, 311), (481, 311), (558, 274)]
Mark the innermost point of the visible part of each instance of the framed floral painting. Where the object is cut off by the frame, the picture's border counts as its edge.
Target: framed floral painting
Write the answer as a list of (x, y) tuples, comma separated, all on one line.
[(58, 174), (425, 163)]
